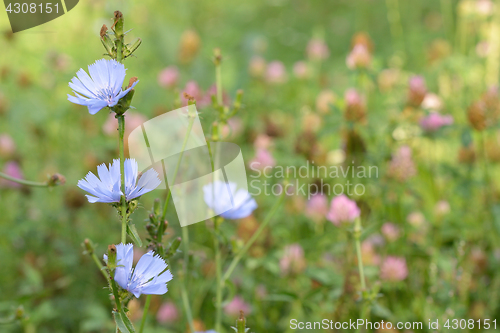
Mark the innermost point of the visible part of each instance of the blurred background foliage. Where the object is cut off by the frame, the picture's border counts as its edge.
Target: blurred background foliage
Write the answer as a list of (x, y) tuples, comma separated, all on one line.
[(443, 203)]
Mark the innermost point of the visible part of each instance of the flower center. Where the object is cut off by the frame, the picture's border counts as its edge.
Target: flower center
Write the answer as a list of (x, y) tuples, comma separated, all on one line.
[(106, 94)]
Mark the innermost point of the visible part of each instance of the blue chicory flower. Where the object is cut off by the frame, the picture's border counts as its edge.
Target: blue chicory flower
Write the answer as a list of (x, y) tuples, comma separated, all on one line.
[(102, 88), (108, 187), (149, 277), (226, 201)]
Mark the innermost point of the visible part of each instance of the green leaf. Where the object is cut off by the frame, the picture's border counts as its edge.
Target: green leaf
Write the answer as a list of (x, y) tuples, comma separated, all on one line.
[(232, 291), (381, 311), (123, 323), (283, 297), (496, 217), (325, 277), (132, 232)]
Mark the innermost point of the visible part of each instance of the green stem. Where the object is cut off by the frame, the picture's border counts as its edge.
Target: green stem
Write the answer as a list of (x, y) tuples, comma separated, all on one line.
[(360, 265), (218, 83), (185, 296), (114, 288), (462, 33), (121, 131), (184, 143), (447, 14), (144, 313), (185, 244), (185, 234), (23, 182), (119, 49), (101, 267), (394, 19), (110, 280), (187, 308), (484, 158), (218, 273), (124, 223), (357, 236), (254, 237), (218, 263)]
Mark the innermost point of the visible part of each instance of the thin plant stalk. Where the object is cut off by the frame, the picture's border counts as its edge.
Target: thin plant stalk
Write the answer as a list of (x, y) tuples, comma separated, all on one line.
[(394, 18), (101, 267), (252, 239), (144, 312), (357, 236), (184, 143), (110, 279), (484, 158), (218, 263), (185, 234), (218, 273), (461, 34), (121, 132), (185, 298), (24, 182), (187, 308), (218, 83), (492, 65), (447, 13), (119, 48)]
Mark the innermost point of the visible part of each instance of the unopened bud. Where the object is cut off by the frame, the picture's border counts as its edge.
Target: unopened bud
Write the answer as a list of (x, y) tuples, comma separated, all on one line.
[(217, 56), (237, 100), (189, 46), (151, 229), (173, 247), (131, 47), (153, 219), (112, 256), (188, 97), (132, 205), (109, 46), (241, 323), (88, 246), (355, 110), (56, 179), (118, 25), (476, 114), (112, 248), (132, 81), (215, 131), (156, 206), (239, 95), (104, 29), (107, 42), (417, 90), (20, 312), (125, 102)]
